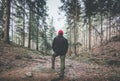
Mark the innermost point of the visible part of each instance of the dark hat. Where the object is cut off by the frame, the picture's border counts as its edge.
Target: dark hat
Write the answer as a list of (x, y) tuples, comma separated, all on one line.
[(60, 32)]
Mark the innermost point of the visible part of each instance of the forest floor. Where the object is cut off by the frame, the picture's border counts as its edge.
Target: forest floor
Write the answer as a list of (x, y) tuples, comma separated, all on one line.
[(22, 64)]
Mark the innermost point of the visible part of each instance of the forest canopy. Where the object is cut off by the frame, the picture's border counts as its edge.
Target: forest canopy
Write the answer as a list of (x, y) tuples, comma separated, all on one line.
[(89, 23)]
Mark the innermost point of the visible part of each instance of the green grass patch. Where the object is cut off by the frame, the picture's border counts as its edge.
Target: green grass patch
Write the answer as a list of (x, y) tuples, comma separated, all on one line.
[(114, 77)]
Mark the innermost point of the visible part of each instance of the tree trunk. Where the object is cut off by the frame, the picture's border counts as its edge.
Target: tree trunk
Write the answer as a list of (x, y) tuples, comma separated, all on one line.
[(45, 40), (86, 36), (23, 39), (29, 39), (109, 27), (75, 40), (12, 24), (89, 21), (75, 30), (2, 17), (84, 39), (37, 33), (7, 22), (70, 40), (101, 29)]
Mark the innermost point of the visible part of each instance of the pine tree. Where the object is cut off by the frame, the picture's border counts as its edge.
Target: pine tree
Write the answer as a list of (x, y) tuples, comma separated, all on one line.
[(7, 21)]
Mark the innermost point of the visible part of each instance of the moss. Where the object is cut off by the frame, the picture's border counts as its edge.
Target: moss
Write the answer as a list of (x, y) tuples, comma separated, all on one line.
[(26, 55), (114, 77)]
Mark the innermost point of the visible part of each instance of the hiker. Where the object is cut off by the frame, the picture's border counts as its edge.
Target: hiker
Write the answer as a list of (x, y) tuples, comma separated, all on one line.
[(60, 47)]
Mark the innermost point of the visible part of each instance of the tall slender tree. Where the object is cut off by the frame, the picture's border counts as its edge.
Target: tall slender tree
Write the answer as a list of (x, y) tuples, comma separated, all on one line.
[(90, 10), (72, 9), (7, 21), (30, 15)]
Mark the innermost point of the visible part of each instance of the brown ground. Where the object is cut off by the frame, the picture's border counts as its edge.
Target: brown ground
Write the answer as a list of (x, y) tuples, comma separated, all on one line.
[(22, 64)]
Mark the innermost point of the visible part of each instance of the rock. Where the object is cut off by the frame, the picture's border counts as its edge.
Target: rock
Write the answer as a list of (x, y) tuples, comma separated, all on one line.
[(29, 74), (76, 79), (69, 65), (39, 67)]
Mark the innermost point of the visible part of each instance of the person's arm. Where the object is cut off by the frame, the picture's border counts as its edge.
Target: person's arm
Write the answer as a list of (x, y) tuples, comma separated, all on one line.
[(66, 46), (53, 43)]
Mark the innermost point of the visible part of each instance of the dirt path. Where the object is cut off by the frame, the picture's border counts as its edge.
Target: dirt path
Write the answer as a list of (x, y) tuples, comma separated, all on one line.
[(40, 70), (21, 64)]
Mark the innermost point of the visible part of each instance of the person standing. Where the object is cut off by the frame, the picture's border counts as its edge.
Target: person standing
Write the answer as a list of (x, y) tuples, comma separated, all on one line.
[(60, 48)]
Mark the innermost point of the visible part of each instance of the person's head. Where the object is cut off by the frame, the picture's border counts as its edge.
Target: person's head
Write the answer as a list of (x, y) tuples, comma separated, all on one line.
[(60, 32)]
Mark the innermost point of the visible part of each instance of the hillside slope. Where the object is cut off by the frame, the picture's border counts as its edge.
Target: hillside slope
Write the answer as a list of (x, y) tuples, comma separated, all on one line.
[(109, 53), (22, 64)]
